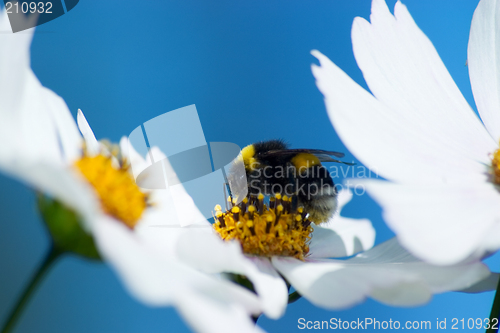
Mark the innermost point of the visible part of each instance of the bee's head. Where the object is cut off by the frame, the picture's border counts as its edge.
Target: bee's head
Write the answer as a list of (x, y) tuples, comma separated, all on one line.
[(248, 157)]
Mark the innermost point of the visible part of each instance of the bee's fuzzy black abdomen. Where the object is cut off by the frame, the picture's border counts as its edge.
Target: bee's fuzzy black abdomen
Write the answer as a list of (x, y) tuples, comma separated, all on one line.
[(316, 191)]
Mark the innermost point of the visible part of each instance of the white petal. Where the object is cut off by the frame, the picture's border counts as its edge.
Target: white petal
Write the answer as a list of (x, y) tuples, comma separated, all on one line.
[(160, 226), (34, 122), (27, 131), (409, 154), (137, 162), (187, 211), (92, 145), (405, 73), (439, 224), (387, 273), (488, 284), (341, 236), (205, 314), (207, 252), (62, 183), (70, 139), (37, 132), (156, 280), (343, 198), (14, 65), (317, 283), (483, 63)]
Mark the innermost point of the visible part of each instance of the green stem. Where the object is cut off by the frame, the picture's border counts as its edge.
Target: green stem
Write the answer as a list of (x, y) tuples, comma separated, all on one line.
[(293, 297), (495, 311), (30, 289)]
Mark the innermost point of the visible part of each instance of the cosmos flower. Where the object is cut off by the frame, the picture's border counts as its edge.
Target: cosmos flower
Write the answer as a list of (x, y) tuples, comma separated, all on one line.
[(43, 148), (418, 132), (387, 273)]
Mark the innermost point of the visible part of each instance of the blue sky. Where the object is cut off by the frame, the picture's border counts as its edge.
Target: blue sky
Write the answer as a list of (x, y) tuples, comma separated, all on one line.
[(246, 66)]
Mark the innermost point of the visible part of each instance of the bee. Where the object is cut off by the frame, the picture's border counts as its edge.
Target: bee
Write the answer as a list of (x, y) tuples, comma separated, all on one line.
[(271, 168)]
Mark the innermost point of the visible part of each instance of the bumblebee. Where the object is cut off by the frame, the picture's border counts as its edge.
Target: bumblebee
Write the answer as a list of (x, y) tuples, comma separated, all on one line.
[(272, 168)]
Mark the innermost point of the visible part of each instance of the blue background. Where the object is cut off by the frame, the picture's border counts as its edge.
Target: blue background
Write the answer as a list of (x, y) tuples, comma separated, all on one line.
[(246, 66)]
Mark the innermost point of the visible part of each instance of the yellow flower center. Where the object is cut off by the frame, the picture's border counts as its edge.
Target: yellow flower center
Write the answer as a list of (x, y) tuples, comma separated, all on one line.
[(264, 230), (495, 164), (119, 194)]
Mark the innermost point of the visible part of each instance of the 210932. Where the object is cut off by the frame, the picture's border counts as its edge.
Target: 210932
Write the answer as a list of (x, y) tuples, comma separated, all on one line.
[(29, 7)]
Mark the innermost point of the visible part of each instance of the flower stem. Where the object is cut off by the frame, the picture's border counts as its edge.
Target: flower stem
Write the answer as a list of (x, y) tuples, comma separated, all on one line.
[(495, 311), (293, 297), (30, 289)]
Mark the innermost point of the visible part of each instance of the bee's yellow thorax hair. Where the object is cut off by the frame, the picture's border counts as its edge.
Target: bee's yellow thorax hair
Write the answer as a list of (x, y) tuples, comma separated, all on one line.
[(248, 156), (304, 161)]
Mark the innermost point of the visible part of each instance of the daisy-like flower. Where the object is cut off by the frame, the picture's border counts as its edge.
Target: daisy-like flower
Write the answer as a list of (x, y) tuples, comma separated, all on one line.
[(43, 148), (387, 272), (418, 131)]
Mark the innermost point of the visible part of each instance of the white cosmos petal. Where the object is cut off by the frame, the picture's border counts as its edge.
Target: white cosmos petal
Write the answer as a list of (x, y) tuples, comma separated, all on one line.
[(91, 143), (188, 213), (160, 224), (341, 236), (65, 184), (390, 145), (160, 227), (483, 62), (207, 252), (37, 137), (205, 314), (343, 198), (439, 224), (387, 273), (137, 162), (405, 73), (27, 131), (14, 66), (69, 136), (159, 281), (490, 283)]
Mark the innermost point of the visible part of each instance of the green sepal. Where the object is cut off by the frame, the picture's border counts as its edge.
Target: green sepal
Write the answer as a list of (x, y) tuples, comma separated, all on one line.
[(65, 228), (242, 280)]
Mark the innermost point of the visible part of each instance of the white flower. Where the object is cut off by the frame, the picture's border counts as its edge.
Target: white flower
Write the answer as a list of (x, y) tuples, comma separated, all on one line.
[(387, 272), (417, 131), (43, 148)]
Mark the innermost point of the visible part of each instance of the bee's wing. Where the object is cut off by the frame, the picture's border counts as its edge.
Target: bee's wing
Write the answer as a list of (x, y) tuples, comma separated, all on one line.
[(322, 155), (326, 158), (317, 152)]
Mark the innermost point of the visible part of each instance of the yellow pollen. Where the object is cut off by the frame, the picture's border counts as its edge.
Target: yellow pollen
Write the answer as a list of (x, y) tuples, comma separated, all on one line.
[(304, 161), (119, 194), (495, 164), (266, 232)]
